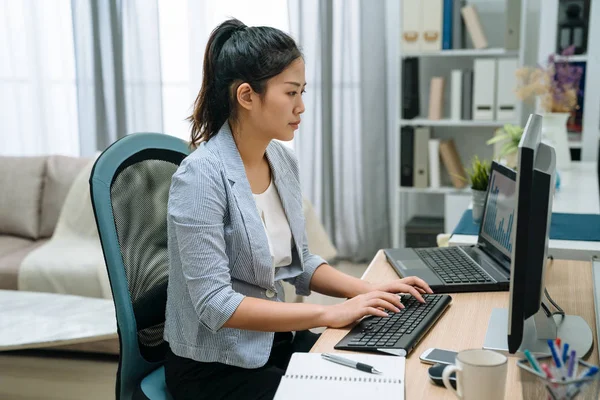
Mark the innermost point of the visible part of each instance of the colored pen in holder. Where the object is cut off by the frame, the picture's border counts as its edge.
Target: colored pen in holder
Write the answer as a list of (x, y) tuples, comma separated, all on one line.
[(538, 385)]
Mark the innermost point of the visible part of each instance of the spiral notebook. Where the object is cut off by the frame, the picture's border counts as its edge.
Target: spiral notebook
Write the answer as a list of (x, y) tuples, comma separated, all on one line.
[(310, 377)]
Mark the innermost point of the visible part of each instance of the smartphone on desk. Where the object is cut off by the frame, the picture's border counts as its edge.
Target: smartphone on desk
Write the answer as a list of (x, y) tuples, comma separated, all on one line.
[(438, 356)]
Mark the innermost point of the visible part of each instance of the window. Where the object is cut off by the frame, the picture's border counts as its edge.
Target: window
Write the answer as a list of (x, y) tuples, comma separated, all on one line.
[(185, 26)]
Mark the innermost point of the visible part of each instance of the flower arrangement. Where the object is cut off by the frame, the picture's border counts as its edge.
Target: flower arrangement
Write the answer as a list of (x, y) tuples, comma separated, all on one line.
[(556, 84)]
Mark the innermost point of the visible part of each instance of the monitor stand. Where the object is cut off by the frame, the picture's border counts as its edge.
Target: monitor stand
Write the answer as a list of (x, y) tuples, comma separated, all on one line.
[(537, 329)]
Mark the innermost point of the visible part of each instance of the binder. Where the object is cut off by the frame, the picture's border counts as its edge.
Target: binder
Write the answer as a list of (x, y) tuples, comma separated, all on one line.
[(411, 26), (406, 155), (512, 27), (474, 27), (410, 88), (506, 101), (431, 25), (467, 95), (458, 26), (484, 85), (434, 163), (436, 95), (447, 28), (456, 94), (421, 157)]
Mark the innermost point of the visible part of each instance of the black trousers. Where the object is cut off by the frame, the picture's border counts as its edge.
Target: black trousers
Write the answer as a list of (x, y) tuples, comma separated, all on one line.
[(190, 379)]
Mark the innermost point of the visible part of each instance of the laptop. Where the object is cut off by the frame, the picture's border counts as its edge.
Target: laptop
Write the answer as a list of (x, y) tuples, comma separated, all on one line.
[(483, 267)]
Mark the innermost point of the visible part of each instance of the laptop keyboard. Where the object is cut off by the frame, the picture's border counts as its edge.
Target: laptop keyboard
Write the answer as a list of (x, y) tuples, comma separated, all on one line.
[(453, 266), (379, 332)]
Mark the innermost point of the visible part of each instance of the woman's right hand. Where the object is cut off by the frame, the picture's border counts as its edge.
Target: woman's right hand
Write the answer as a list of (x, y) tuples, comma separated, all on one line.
[(343, 314)]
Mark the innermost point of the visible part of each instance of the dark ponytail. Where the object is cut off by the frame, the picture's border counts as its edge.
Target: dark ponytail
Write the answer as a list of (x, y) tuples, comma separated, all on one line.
[(236, 53)]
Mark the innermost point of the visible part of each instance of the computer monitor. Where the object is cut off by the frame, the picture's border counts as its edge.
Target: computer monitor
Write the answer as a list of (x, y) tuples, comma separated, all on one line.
[(528, 322)]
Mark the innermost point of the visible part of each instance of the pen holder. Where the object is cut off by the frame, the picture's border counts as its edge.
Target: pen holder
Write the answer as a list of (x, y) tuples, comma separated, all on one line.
[(536, 385)]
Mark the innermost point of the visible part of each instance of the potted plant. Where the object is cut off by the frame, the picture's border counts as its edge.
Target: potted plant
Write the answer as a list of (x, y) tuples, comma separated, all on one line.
[(510, 136), (556, 86), (479, 176)]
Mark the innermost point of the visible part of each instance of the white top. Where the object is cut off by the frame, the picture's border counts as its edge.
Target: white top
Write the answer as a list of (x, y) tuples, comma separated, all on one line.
[(276, 225)]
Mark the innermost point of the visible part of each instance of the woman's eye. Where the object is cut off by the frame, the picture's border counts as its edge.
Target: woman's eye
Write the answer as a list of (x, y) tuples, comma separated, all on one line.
[(293, 93)]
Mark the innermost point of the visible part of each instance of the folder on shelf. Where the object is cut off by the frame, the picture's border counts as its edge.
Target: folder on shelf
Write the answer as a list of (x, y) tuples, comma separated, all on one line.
[(452, 163), (421, 153), (436, 95), (474, 27), (410, 88), (456, 94), (506, 101), (512, 27), (467, 95), (406, 155), (484, 87), (447, 27), (434, 163), (431, 24), (411, 26)]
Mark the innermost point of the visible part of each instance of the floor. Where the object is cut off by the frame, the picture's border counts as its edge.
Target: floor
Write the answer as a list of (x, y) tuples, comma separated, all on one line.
[(69, 376)]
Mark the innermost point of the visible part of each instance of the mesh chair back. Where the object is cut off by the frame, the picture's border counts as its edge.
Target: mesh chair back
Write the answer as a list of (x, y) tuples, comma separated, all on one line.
[(130, 186)]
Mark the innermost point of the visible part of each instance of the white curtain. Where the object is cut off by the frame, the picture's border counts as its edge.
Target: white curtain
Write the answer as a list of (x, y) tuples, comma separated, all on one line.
[(342, 141), (38, 102)]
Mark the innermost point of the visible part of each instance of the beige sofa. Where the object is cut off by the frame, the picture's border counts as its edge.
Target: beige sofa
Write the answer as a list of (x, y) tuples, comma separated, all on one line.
[(32, 193)]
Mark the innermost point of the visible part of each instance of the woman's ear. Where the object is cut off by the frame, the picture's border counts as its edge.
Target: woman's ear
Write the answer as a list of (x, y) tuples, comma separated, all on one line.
[(244, 95)]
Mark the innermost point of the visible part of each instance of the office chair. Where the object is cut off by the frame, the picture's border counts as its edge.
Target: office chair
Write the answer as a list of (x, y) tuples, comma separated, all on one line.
[(129, 186)]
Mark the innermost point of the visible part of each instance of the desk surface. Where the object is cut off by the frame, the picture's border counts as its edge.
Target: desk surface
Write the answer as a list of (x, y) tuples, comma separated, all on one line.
[(578, 194), (464, 324)]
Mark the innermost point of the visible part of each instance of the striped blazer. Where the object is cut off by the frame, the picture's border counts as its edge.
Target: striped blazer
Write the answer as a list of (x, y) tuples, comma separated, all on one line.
[(219, 252)]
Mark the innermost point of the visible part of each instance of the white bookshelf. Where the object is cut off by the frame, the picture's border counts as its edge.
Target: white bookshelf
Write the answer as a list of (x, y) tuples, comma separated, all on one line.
[(492, 52), (591, 101), (452, 122), (449, 201), (431, 190)]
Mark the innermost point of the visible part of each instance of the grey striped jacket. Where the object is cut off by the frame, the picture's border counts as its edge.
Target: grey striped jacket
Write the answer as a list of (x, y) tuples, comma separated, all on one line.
[(219, 253)]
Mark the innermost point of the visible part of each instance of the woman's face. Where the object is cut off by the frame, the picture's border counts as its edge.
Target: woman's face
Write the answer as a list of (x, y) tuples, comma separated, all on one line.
[(277, 116)]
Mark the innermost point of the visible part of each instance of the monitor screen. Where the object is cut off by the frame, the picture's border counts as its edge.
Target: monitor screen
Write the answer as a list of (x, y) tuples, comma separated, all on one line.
[(498, 219)]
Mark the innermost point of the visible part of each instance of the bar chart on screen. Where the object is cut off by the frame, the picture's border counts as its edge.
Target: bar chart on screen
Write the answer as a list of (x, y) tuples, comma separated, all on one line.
[(500, 211)]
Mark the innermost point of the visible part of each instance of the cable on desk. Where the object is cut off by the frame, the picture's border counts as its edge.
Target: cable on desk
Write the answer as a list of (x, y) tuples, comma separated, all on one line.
[(559, 311)]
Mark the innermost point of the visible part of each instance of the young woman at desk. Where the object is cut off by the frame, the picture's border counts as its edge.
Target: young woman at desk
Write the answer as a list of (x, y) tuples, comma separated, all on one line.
[(236, 230)]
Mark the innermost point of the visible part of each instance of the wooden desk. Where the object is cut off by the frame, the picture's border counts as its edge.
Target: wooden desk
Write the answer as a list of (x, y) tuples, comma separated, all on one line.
[(464, 324)]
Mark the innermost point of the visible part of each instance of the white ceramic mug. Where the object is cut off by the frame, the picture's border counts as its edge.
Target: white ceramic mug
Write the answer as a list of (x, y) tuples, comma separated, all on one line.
[(480, 374)]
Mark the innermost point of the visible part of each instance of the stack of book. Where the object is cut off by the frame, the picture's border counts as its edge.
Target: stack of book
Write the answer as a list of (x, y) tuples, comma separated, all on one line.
[(434, 25), (420, 159)]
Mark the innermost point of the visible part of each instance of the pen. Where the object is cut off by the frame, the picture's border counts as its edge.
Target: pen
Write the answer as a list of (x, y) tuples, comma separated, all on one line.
[(557, 359), (572, 362), (350, 363), (533, 361), (565, 351)]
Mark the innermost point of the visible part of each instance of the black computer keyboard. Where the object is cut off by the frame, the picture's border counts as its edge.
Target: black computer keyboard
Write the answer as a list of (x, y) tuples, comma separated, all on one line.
[(452, 265), (402, 330)]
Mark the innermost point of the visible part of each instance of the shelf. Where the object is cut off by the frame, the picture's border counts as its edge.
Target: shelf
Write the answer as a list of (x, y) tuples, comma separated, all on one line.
[(494, 52), (440, 190), (454, 122), (575, 144), (574, 58)]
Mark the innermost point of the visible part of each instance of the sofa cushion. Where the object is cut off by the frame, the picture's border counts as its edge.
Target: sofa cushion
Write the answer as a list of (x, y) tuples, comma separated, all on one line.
[(21, 180), (13, 251), (60, 174)]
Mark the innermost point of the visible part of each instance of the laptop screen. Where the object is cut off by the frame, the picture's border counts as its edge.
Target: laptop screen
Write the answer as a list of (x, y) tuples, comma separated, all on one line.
[(498, 216)]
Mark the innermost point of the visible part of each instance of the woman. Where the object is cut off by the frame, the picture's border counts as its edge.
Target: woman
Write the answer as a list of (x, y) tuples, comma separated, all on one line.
[(236, 229)]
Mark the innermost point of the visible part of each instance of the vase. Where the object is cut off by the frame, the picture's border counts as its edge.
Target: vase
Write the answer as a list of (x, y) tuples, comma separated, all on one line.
[(554, 132), (478, 204)]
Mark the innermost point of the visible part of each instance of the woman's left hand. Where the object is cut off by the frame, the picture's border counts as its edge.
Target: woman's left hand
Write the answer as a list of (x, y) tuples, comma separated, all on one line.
[(412, 285)]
